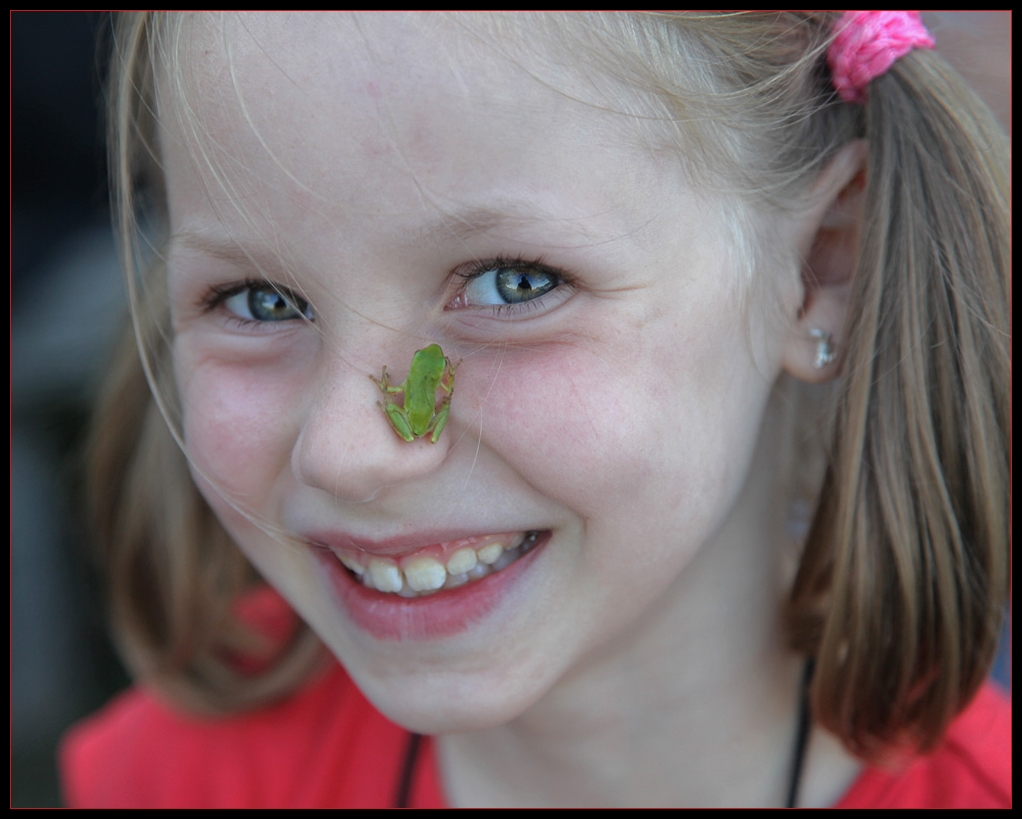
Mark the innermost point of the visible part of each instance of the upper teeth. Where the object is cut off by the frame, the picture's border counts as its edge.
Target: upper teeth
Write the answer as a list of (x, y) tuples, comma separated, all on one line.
[(424, 573)]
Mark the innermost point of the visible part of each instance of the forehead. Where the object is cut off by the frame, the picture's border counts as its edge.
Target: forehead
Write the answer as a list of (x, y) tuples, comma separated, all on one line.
[(439, 54), (313, 93)]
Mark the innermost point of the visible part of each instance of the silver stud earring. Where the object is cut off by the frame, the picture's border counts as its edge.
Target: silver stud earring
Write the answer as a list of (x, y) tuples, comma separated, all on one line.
[(825, 352)]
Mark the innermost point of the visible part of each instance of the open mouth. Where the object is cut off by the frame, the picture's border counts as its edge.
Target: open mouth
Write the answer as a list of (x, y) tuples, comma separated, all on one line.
[(456, 564), (432, 592)]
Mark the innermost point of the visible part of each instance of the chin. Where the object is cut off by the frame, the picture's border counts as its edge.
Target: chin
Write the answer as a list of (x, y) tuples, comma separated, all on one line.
[(446, 706), (459, 719)]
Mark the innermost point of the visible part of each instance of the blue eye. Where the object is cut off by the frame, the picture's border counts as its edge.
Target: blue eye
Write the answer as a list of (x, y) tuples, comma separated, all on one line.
[(502, 285), (266, 302)]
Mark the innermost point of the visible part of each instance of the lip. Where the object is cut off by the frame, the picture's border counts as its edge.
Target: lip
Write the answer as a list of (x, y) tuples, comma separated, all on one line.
[(436, 616)]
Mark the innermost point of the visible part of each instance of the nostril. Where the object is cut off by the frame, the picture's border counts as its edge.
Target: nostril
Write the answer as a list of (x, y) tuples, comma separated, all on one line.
[(351, 448)]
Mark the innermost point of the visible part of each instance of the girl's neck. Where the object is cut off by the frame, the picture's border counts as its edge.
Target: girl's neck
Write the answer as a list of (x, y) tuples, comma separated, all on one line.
[(635, 739)]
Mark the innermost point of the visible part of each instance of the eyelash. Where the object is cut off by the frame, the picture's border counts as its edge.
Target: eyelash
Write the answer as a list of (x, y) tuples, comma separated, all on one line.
[(218, 295), (476, 270)]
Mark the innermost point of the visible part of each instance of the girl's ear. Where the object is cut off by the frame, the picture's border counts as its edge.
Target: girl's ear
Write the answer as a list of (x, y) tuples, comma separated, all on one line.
[(828, 247)]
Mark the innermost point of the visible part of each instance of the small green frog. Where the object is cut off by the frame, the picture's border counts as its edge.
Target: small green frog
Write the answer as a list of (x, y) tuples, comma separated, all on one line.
[(420, 415)]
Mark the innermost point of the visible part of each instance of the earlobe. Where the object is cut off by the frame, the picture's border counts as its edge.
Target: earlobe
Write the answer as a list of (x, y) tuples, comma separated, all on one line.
[(828, 245)]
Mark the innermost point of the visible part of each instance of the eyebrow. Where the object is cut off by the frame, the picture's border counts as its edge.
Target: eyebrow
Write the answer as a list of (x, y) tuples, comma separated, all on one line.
[(225, 249), (457, 225), (466, 223), (269, 261)]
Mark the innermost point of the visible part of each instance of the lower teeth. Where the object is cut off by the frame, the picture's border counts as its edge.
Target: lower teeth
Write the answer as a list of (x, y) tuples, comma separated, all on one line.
[(480, 570)]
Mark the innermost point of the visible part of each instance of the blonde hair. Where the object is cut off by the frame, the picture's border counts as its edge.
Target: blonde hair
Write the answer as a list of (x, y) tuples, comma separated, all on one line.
[(904, 577)]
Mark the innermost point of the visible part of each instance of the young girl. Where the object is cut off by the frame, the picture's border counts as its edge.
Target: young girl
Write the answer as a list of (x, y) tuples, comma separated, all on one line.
[(621, 400)]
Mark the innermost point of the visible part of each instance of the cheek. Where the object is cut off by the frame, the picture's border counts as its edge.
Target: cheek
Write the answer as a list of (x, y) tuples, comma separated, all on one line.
[(605, 434), (236, 428)]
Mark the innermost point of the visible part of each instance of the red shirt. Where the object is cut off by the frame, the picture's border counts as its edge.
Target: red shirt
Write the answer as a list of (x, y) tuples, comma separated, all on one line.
[(325, 747), (970, 769), (328, 747)]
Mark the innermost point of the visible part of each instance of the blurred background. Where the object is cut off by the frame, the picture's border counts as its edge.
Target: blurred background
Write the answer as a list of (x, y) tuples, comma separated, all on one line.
[(67, 305), (66, 302)]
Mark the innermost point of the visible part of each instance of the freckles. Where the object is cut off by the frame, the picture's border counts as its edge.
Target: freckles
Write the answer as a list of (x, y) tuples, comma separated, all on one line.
[(624, 433), (236, 429), (568, 423)]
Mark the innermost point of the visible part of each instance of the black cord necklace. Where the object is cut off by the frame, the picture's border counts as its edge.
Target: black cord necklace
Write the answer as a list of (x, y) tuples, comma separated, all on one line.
[(404, 785), (805, 720)]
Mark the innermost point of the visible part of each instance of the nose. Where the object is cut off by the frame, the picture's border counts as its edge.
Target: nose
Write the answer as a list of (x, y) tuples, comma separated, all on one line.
[(347, 445)]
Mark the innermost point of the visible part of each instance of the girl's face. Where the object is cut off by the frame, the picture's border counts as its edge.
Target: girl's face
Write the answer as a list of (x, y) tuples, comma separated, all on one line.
[(407, 181)]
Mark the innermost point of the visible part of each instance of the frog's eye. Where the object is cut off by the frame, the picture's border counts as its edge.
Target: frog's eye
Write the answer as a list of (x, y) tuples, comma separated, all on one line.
[(496, 285), (266, 302)]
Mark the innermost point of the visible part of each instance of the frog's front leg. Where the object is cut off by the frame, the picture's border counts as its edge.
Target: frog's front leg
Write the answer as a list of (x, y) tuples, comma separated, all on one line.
[(383, 382), (447, 380)]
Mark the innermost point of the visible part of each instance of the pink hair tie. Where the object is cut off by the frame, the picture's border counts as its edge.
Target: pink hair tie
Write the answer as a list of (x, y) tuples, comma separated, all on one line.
[(867, 44)]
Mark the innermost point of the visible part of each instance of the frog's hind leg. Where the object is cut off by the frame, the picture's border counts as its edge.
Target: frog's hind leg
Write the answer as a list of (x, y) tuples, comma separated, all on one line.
[(436, 426), (399, 421)]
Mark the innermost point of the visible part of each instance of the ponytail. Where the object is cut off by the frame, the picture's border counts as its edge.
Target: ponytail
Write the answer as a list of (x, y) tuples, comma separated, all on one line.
[(905, 576)]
